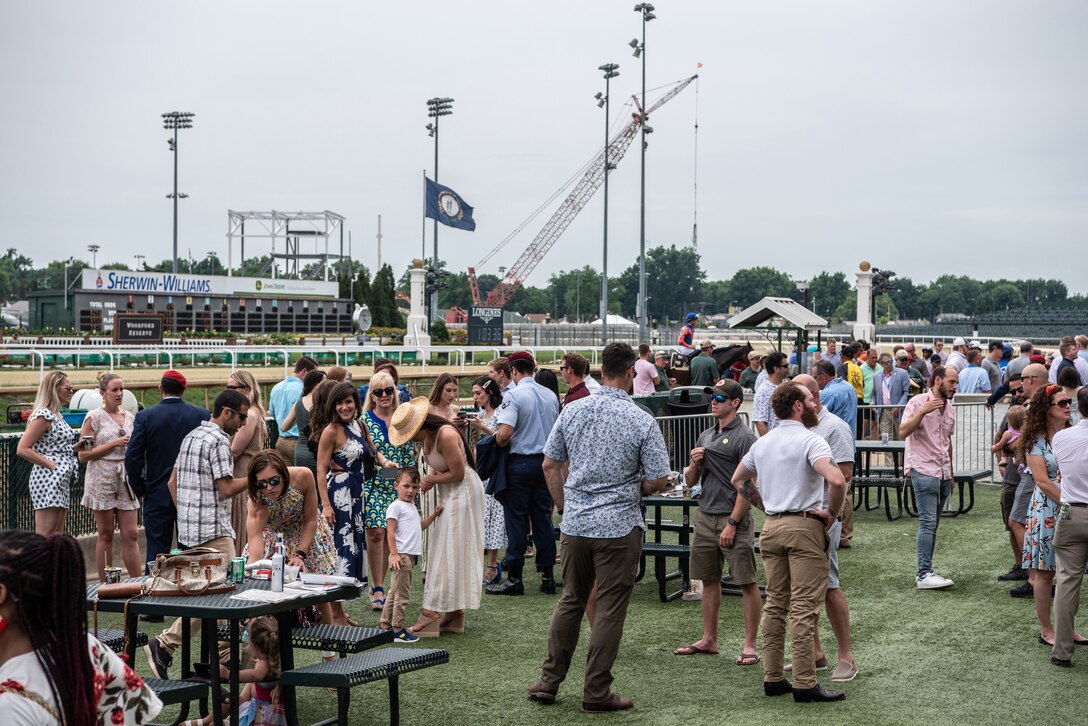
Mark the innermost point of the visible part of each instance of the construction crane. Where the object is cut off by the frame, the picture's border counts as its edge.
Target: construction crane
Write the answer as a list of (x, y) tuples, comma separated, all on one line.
[(562, 217)]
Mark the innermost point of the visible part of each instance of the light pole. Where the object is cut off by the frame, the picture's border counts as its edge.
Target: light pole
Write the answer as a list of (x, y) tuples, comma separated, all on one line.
[(140, 261), (175, 121), (93, 249), (802, 347), (611, 70), (436, 109), (647, 11)]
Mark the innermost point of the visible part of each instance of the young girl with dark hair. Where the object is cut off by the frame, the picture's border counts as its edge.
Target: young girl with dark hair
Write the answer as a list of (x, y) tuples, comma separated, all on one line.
[(51, 670)]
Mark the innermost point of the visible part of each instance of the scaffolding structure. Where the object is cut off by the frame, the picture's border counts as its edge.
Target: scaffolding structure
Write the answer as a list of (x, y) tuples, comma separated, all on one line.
[(292, 228)]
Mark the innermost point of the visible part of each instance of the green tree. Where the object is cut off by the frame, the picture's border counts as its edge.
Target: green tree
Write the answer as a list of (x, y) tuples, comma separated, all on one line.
[(999, 296), (752, 284), (826, 291), (674, 282), (15, 272), (383, 303)]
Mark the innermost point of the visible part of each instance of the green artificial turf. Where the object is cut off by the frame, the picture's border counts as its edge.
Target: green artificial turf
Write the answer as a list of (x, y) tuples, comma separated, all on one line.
[(968, 655)]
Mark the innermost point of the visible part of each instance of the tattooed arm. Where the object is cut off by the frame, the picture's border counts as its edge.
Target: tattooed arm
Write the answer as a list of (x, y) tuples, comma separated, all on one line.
[(743, 482)]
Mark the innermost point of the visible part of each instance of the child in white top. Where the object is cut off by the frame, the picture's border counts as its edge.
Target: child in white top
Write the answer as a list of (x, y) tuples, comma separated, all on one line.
[(405, 533)]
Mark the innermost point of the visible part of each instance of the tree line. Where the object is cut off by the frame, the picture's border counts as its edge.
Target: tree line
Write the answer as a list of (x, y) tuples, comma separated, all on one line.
[(675, 279)]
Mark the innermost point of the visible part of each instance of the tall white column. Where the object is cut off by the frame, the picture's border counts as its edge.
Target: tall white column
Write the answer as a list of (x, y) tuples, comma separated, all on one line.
[(417, 334), (864, 328)]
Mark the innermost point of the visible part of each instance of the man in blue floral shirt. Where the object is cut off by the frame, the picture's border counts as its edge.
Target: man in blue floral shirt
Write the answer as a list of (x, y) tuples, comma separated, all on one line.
[(603, 455)]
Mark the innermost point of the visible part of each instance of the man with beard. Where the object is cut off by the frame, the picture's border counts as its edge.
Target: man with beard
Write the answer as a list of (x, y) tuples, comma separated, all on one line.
[(929, 420), (838, 436), (792, 463)]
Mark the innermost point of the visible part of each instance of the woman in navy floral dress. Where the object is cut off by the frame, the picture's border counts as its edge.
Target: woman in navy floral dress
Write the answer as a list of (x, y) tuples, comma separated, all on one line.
[(343, 460)]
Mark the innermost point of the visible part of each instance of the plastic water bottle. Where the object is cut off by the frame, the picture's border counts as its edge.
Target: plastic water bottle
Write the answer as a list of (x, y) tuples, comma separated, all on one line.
[(277, 572), (280, 547)]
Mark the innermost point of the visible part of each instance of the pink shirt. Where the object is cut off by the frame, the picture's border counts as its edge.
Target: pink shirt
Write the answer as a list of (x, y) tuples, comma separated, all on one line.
[(928, 447), (644, 377)]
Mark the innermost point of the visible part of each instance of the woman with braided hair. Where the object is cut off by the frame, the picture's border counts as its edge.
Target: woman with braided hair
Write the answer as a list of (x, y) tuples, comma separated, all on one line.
[(52, 671)]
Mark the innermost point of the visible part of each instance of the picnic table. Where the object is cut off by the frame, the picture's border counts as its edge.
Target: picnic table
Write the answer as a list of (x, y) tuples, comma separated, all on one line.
[(884, 480), (209, 609)]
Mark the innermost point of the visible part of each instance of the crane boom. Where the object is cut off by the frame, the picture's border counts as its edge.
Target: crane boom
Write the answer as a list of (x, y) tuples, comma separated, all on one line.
[(562, 217)]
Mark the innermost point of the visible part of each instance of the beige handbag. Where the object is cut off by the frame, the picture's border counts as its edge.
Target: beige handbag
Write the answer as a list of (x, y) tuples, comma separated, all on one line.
[(197, 571)]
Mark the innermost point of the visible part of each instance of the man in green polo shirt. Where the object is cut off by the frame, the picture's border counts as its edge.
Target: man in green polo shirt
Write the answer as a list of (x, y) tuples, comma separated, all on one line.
[(722, 532), (704, 369)]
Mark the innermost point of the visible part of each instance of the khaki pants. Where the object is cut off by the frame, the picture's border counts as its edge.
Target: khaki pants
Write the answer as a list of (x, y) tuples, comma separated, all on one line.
[(397, 592), (171, 637), (1071, 550), (286, 447), (612, 564), (795, 561)]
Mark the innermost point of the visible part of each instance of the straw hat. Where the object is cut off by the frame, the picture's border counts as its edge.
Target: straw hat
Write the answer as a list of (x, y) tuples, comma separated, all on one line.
[(407, 419)]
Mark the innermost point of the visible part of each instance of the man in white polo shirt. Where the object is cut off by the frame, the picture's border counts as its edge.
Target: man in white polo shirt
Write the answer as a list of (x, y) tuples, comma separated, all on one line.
[(1071, 534), (792, 463)]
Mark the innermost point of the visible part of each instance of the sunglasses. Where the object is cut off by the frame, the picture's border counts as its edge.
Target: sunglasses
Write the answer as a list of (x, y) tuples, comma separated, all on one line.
[(718, 398), (66, 388), (564, 368), (272, 481), (1017, 390), (1064, 403), (235, 388), (236, 413), (385, 391)]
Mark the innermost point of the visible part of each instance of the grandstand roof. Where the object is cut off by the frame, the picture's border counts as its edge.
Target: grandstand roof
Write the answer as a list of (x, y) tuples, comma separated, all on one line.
[(791, 312)]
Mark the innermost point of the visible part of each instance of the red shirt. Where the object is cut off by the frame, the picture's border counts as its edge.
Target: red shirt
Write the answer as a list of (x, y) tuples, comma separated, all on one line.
[(576, 391)]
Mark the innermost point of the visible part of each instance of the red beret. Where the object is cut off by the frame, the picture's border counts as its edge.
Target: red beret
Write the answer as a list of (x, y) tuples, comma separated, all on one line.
[(1038, 359), (520, 355), (175, 376)]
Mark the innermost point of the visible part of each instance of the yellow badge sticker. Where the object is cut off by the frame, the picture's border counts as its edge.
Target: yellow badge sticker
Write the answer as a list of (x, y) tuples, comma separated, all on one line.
[(725, 440)]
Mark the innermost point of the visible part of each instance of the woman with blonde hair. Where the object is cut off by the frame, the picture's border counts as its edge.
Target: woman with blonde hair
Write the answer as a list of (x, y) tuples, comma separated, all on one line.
[(105, 485), (245, 444), (378, 492), (49, 443)]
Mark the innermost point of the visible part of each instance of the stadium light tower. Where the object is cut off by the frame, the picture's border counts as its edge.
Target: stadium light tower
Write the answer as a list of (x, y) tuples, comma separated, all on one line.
[(175, 121)]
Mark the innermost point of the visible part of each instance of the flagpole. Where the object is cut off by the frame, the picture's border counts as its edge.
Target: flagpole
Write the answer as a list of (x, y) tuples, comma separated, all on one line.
[(423, 240)]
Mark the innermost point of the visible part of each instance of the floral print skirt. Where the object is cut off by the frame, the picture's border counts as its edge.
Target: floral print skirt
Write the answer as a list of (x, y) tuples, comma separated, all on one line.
[(1039, 533)]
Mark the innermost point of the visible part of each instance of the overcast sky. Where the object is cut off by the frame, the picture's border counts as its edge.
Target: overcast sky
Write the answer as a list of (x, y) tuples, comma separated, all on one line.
[(926, 137)]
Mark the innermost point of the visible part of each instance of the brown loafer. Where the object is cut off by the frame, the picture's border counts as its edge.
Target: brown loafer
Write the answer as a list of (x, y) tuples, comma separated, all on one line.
[(538, 692), (613, 703)]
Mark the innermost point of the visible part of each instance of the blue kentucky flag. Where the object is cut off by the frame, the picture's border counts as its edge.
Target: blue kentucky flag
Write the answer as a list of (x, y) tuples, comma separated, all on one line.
[(447, 207)]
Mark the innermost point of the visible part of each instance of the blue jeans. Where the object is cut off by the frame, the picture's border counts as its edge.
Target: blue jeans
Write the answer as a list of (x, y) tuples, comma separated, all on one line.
[(930, 494)]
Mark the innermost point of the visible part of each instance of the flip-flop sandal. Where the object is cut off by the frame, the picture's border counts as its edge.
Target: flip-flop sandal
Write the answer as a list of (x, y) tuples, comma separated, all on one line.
[(747, 659), (694, 649)]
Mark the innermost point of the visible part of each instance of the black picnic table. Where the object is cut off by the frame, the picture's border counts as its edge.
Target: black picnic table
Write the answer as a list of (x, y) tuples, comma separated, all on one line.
[(209, 609)]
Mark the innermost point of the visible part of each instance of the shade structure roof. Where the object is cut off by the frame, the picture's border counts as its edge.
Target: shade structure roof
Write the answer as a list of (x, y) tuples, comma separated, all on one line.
[(791, 313)]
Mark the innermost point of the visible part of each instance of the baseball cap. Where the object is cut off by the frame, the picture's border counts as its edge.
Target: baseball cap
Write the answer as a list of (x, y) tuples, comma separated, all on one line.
[(661, 354), (958, 342), (726, 387), (175, 376), (705, 344), (520, 355), (690, 316), (755, 354), (975, 345), (902, 355)]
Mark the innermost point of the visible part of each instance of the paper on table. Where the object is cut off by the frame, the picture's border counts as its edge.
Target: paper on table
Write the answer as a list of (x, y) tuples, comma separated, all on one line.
[(311, 578), (267, 595), (311, 588)]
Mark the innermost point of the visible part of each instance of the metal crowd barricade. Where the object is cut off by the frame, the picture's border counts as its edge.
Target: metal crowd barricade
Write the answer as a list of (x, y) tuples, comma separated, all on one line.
[(975, 428), (681, 433)]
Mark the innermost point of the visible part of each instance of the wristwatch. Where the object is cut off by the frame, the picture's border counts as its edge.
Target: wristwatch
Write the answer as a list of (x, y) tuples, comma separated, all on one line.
[(732, 522)]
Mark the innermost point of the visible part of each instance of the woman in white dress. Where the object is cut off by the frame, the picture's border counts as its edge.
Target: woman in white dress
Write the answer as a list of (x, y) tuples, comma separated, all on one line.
[(49, 443), (455, 549), (487, 397)]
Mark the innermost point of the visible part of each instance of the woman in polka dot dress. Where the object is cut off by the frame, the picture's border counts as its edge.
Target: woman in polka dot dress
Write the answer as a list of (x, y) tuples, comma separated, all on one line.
[(49, 443)]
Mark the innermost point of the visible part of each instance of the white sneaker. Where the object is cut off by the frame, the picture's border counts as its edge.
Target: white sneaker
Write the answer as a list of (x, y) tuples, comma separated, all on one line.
[(933, 581)]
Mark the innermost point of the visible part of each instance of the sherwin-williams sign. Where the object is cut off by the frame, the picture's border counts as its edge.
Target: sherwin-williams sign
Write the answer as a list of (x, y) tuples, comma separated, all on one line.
[(167, 283)]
